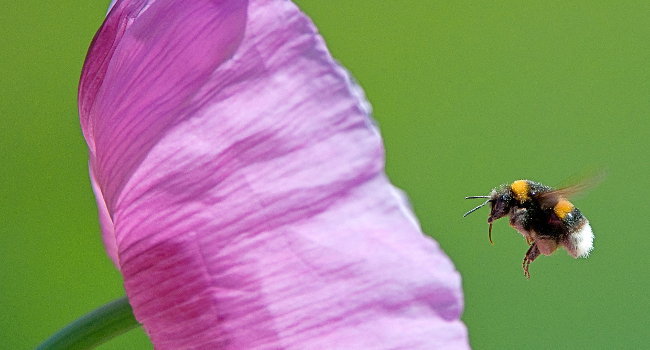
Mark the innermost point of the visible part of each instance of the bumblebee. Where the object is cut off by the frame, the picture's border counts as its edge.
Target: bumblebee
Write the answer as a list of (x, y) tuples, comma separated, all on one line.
[(543, 215)]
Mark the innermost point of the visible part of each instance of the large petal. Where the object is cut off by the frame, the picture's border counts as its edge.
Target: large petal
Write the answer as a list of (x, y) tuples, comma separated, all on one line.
[(243, 189)]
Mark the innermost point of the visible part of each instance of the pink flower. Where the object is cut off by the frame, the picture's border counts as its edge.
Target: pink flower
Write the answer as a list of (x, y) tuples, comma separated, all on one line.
[(241, 188)]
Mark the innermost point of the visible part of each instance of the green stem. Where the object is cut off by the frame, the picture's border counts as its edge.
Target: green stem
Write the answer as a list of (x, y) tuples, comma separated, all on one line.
[(94, 328)]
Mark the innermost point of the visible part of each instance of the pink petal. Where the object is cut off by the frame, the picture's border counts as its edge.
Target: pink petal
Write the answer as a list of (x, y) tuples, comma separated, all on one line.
[(242, 190)]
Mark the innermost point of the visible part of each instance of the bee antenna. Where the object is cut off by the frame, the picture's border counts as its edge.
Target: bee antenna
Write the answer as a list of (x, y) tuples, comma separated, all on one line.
[(474, 197), (477, 208)]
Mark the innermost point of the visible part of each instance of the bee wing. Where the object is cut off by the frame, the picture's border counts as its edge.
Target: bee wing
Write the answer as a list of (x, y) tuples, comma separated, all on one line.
[(550, 198)]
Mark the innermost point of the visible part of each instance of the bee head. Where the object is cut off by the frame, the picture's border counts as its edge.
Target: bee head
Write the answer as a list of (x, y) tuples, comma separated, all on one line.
[(501, 202)]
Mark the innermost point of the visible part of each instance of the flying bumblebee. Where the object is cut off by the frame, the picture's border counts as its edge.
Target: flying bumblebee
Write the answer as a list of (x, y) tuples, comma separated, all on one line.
[(543, 215)]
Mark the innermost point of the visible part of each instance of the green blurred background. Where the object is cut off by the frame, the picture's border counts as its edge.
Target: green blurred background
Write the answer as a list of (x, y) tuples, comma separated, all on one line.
[(468, 95)]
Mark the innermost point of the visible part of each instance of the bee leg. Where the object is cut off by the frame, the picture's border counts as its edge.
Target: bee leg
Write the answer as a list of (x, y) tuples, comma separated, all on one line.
[(531, 255)]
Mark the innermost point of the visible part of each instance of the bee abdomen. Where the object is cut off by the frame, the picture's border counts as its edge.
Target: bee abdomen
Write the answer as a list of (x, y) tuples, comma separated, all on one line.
[(580, 240), (563, 208)]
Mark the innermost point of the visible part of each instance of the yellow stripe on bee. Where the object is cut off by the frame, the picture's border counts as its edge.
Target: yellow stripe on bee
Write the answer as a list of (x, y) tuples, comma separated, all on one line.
[(563, 208), (520, 189)]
